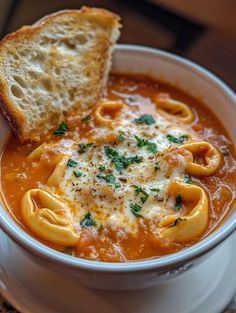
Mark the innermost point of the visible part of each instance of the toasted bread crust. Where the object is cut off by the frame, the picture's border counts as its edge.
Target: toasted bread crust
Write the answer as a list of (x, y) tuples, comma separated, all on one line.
[(17, 119)]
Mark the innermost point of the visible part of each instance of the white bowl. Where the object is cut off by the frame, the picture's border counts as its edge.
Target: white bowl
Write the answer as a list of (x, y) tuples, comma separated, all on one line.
[(199, 83)]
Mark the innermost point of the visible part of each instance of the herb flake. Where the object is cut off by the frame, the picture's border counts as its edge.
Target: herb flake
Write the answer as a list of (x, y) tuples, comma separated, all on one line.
[(110, 179), (135, 209), (120, 161), (177, 140), (61, 130), (139, 190), (83, 147), (151, 146), (187, 179), (155, 189), (178, 202), (71, 163), (88, 221), (145, 119), (77, 173), (121, 136)]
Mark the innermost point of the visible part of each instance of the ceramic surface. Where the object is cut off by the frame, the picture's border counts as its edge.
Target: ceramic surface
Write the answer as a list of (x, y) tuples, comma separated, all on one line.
[(133, 275)]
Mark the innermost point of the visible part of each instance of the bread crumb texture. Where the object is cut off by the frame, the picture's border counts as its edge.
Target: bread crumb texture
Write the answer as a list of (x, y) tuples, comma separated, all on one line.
[(59, 64)]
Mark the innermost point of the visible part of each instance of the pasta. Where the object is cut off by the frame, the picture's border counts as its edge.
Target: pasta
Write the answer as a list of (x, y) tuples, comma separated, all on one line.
[(211, 157), (107, 110), (190, 225), (145, 172), (179, 109), (51, 219)]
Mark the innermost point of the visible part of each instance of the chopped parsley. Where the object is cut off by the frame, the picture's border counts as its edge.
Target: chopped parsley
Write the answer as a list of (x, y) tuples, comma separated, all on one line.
[(178, 202), (101, 168), (156, 166), (77, 173), (61, 130), (174, 139), (187, 179), (155, 189), (145, 119), (110, 179), (120, 161), (151, 146), (141, 142), (83, 147), (71, 163), (86, 118), (139, 190), (135, 209), (121, 136), (88, 221)]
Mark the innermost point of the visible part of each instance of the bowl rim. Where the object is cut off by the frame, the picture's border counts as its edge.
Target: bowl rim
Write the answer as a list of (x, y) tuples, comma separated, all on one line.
[(26, 241)]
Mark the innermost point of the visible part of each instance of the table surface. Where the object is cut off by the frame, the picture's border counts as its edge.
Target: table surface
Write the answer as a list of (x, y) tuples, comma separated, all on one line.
[(5, 307)]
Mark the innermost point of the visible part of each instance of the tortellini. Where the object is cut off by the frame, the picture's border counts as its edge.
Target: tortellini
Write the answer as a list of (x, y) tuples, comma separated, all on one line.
[(211, 155), (179, 109), (107, 111), (48, 217), (193, 223), (60, 162)]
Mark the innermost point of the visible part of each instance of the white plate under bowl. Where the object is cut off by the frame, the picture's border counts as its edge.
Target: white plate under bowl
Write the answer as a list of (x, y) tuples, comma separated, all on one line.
[(206, 288)]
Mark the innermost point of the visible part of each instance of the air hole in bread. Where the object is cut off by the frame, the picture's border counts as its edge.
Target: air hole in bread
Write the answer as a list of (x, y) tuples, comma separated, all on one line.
[(20, 81), (16, 91), (65, 102), (67, 45), (15, 57), (46, 84), (81, 39), (39, 57), (57, 70)]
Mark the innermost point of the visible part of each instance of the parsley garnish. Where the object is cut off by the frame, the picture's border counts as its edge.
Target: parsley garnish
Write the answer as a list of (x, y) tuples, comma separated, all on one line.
[(155, 189), (83, 147), (151, 147), (86, 118), (71, 163), (101, 168), (139, 190), (77, 173), (135, 209), (174, 139), (141, 142), (87, 221), (157, 166), (120, 161), (145, 119), (121, 136), (110, 179), (178, 202), (62, 128), (187, 179)]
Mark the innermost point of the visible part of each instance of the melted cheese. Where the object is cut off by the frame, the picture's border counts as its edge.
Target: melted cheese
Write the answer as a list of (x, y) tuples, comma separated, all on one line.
[(109, 203)]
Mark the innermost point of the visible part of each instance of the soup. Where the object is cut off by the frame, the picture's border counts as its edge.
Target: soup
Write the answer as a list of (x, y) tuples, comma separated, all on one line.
[(146, 172)]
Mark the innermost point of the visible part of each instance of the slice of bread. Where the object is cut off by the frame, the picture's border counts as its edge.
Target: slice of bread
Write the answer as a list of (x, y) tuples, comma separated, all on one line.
[(59, 64)]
